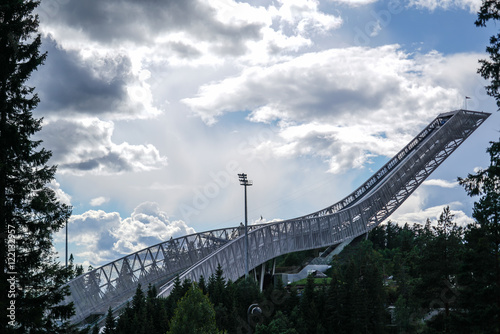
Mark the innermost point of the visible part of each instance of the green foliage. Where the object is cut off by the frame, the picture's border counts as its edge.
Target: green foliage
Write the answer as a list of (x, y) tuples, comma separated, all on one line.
[(490, 69), (194, 314), (438, 265), (482, 260), (138, 302), (146, 315), (29, 212), (74, 270), (295, 258), (317, 281), (279, 325), (246, 292), (221, 296), (485, 181), (361, 291), (480, 277), (110, 324)]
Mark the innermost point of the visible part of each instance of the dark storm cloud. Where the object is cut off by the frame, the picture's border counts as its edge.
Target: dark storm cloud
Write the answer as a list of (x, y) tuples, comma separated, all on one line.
[(140, 22), (73, 85)]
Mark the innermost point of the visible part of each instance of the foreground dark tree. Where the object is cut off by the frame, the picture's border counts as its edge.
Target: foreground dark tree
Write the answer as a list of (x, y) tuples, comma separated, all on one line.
[(110, 323), (29, 211), (490, 68), (481, 276)]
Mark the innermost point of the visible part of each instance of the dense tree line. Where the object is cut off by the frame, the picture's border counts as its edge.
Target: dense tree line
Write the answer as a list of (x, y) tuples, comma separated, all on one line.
[(216, 303)]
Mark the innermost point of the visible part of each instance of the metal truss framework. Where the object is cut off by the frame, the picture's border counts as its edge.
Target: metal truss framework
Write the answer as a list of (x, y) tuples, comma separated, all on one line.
[(114, 283), (199, 254)]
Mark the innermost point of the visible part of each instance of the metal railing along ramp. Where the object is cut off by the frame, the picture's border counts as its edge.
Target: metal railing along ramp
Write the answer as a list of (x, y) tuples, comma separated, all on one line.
[(199, 254)]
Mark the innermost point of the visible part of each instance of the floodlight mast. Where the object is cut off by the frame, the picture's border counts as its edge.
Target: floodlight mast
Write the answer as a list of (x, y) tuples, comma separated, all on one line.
[(244, 182)]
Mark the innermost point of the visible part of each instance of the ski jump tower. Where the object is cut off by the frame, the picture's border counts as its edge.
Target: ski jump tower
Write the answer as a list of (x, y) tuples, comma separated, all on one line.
[(199, 254)]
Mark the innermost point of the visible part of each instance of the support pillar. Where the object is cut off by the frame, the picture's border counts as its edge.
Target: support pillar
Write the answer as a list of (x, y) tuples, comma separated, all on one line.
[(262, 274)]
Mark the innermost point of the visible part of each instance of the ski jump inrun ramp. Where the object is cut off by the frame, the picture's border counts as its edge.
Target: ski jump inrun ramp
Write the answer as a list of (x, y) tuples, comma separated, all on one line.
[(199, 254)]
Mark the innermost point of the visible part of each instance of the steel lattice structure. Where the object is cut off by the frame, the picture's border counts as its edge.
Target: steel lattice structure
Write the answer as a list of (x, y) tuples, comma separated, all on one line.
[(199, 254)]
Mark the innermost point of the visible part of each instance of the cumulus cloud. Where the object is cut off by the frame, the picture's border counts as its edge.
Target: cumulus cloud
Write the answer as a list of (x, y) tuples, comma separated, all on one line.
[(322, 86), (305, 17), (106, 236), (345, 105), (90, 232), (147, 225), (103, 85), (145, 23), (190, 33), (85, 146), (61, 196)]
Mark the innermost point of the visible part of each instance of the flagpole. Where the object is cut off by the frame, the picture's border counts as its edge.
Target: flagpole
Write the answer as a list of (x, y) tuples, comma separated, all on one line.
[(466, 98)]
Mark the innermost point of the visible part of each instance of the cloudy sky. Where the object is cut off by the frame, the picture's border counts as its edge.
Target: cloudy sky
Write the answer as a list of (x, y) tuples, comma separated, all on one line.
[(151, 108)]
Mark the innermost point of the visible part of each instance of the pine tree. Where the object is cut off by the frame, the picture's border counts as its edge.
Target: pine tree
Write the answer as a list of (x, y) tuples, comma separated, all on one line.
[(279, 325), (74, 270), (138, 301), (125, 323), (336, 315), (177, 290), (202, 284), (29, 211), (378, 237), (246, 292), (220, 298), (110, 323), (216, 287), (487, 181), (490, 10), (356, 294), (480, 279), (308, 307), (439, 264), (392, 232)]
